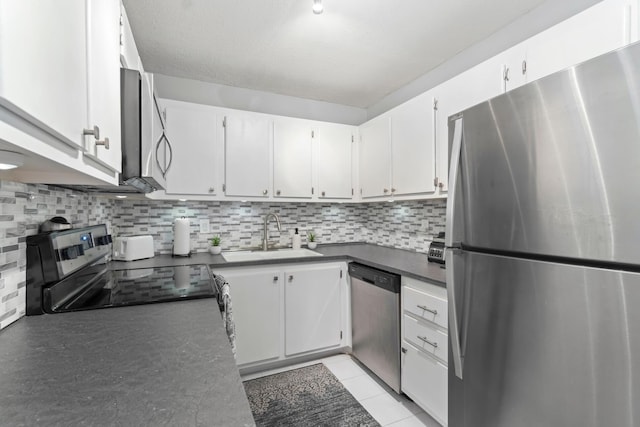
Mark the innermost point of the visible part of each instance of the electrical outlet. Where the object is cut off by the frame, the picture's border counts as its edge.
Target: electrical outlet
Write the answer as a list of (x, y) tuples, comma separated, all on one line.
[(204, 226)]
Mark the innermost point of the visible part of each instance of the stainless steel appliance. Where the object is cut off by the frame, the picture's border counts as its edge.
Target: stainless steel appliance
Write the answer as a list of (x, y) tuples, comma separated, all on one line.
[(375, 321), (66, 271), (543, 257)]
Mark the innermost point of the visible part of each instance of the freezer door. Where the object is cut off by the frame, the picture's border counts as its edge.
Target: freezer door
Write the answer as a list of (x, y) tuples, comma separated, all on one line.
[(553, 167), (543, 344)]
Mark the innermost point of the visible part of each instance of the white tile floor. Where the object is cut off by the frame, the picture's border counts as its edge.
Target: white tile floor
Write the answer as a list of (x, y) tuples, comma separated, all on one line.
[(387, 407)]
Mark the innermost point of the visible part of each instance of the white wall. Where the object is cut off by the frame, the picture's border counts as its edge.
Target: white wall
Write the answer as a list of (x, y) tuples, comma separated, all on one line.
[(256, 101)]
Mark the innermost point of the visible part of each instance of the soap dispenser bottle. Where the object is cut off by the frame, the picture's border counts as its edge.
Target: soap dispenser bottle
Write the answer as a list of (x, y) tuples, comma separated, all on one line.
[(296, 241)]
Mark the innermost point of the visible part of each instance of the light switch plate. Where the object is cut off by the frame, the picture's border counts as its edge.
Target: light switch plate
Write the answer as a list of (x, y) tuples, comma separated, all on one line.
[(205, 226)]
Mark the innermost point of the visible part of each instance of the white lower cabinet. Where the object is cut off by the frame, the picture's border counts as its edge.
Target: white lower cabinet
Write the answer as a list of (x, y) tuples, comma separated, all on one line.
[(312, 308), (425, 346), (256, 299), (284, 311), (424, 379)]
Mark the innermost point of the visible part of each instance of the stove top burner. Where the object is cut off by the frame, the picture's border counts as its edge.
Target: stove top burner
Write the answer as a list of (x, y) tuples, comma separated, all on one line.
[(103, 287)]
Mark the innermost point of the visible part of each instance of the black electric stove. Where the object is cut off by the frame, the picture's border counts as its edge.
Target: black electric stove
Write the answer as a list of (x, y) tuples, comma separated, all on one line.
[(67, 271)]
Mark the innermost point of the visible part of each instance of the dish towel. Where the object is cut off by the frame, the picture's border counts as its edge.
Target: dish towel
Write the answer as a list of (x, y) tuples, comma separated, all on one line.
[(224, 299)]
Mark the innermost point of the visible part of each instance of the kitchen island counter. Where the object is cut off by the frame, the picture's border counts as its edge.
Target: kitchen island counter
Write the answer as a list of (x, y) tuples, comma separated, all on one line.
[(399, 261), (156, 364)]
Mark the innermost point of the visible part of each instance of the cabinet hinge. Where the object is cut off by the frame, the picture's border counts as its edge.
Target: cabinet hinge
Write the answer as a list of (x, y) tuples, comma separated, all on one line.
[(524, 67), (224, 188), (352, 138), (352, 192), (340, 334), (313, 135), (435, 104), (361, 191), (311, 190), (224, 122), (341, 274)]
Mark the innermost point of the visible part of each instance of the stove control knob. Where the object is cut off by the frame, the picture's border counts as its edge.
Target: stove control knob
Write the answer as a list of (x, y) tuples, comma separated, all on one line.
[(103, 240), (71, 252)]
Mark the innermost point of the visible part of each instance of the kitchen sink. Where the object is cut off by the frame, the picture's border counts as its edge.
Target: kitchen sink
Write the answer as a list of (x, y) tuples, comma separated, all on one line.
[(238, 256)]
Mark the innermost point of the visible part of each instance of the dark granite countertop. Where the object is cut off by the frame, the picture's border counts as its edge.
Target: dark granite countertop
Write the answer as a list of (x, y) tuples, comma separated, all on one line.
[(403, 262), (157, 364)]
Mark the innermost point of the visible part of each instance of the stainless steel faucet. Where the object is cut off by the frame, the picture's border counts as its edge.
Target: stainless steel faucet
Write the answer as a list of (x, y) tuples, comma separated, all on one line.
[(265, 236)]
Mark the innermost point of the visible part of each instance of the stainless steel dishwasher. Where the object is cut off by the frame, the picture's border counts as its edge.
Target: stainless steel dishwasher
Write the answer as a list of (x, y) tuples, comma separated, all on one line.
[(375, 321)]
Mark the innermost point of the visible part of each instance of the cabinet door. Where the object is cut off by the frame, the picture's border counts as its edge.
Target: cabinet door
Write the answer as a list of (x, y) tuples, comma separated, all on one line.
[(103, 31), (190, 129), (247, 148), (334, 160), (425, 381), (255, 296), (292, 158), (595, 31), (312, 308), (375, 151), (43, 68), (412, 146)]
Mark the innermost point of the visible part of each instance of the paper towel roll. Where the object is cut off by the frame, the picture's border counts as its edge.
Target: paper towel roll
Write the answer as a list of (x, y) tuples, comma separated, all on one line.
[(181, 240)]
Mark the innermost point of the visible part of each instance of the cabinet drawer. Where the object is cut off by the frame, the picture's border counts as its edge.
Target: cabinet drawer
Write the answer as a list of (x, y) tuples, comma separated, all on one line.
[(425, 306), (425, 381), (426, 338)]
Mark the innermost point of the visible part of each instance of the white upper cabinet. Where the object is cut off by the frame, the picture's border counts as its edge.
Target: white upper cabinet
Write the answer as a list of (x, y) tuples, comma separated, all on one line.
[(103, 56), (603, 27), (375, 152), (292, 158), (43, 65), (247, 148), (412, 146), (190, 129), (334, 147)]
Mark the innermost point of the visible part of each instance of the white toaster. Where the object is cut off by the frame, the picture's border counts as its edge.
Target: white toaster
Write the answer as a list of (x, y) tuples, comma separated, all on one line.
[(131, 248)]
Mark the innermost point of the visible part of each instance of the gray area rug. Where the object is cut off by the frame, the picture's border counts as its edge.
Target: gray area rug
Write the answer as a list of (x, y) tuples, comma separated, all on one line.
[(309, 396)]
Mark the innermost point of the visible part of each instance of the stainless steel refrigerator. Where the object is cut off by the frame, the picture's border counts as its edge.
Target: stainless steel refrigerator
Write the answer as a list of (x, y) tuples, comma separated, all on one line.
[(543, 257)]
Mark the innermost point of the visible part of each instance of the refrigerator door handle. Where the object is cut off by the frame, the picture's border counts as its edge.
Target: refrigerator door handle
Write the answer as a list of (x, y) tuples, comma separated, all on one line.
[(454, 166), (454, 327)]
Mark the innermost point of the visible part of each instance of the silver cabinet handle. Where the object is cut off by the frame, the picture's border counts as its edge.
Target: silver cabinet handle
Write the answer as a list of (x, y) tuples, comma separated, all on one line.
[(95, 132), (104, 143), (323, 194), (278, 193), (393, 190), (505, 76), (290, 278), (435, 181), (426, 341), (212, 190), (264, 192), (385, 190), (422, 307), (275, 278)]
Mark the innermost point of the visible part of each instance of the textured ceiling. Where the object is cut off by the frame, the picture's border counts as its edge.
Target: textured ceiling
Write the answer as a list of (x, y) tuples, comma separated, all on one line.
[(354, 54)]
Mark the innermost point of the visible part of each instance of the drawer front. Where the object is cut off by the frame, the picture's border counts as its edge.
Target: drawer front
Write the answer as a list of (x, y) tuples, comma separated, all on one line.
[(425, 306), (426, 338), (425, 381)]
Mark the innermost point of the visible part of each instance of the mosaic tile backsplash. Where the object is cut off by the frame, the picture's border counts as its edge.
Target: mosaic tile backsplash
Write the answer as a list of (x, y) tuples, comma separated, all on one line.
[(406, 225)]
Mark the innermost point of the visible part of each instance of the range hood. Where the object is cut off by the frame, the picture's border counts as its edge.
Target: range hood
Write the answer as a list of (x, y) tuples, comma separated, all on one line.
[(146, 151)]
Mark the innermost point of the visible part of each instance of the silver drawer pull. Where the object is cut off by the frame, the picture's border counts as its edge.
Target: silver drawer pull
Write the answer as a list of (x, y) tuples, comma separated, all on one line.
[(425, 340), (422, 307)]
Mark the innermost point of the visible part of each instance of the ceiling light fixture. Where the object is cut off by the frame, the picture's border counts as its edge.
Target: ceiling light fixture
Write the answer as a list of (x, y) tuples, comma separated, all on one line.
[(317, 7), (10, 160)]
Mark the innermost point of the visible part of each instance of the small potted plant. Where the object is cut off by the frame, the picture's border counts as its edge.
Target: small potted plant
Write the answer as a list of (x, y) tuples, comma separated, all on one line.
[(215, 247), (311, 240)]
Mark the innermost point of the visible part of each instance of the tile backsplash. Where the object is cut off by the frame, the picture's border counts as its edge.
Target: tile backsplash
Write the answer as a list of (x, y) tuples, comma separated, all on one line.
[(405, 225)]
